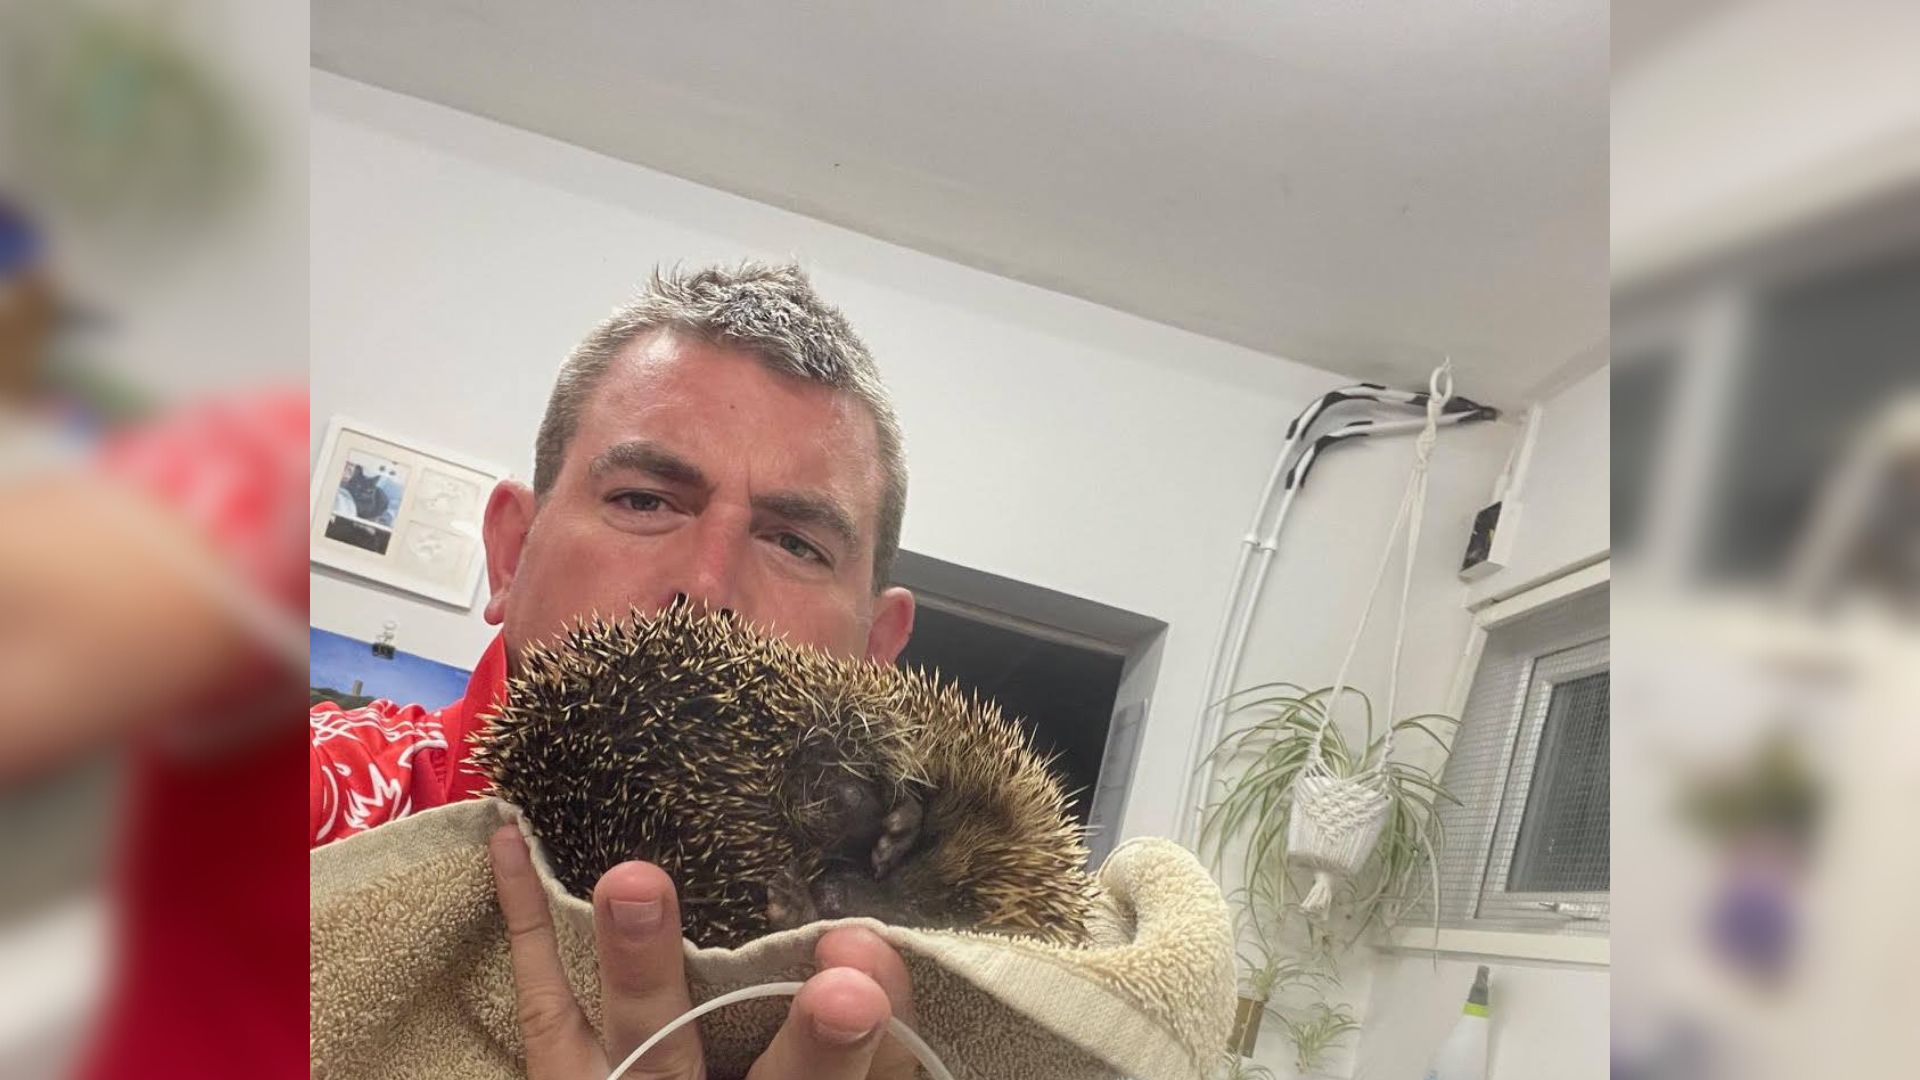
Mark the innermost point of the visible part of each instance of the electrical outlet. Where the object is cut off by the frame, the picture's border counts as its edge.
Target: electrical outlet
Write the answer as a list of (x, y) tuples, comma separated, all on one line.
[(1490, 548)]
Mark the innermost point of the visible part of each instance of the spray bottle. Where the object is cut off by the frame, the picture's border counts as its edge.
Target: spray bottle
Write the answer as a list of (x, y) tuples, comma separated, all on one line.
[(1464, 1055)]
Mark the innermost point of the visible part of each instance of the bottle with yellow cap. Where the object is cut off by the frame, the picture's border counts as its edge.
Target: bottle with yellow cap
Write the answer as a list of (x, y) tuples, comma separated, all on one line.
[(1464, 1055)]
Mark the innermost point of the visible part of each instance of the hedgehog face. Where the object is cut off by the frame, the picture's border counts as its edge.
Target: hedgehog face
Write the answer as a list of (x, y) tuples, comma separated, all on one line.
[(875, 861), (914, 897)]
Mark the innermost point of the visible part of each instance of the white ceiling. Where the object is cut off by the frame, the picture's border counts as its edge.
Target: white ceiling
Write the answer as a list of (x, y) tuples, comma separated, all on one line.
[(1363, 186), (1642, 29)]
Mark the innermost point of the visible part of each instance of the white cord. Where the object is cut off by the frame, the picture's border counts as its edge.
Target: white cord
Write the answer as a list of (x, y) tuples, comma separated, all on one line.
[(898, 1029)]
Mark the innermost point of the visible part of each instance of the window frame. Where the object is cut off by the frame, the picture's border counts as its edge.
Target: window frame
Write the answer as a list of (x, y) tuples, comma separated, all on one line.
[(1570, 950), (1526, 733)]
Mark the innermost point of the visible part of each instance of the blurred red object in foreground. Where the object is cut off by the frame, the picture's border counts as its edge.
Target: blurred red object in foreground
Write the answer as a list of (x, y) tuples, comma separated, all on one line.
[(192, 523)]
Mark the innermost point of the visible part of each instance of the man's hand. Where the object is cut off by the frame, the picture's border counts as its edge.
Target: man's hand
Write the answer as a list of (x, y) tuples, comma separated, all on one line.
[(834, 1031)]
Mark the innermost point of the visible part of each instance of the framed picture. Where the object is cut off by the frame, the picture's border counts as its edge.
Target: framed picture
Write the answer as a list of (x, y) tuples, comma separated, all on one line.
[(399, 514)]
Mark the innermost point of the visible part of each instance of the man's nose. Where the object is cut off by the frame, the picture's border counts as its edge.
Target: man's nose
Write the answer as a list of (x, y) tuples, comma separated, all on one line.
[(711, 574)]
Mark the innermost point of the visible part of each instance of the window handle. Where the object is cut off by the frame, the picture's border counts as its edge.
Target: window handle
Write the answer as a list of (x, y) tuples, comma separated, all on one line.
[(1570, 910)]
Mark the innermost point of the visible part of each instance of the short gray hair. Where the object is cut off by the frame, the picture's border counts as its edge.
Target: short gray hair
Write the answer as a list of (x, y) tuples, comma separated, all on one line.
[(769, 311)]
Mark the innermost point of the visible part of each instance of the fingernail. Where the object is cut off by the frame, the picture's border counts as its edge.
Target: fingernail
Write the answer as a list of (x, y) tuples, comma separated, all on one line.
[(636, 916), (839, 1035)]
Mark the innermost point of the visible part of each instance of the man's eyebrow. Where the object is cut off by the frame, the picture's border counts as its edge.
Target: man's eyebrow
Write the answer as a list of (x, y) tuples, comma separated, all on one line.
[(640, 455), (806, 508)]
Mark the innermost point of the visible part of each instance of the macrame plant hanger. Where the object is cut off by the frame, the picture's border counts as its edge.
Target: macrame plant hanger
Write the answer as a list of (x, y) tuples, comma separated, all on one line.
[(1336, 820)]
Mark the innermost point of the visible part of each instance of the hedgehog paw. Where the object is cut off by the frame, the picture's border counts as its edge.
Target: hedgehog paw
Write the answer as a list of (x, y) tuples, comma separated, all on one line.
[(789, 902), (900, 830)]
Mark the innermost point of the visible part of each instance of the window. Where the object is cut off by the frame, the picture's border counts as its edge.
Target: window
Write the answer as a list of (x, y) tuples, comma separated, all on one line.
[(1556, 788), (1527, 849)]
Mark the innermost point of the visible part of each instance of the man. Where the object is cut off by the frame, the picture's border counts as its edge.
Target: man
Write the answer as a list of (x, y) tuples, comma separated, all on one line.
[(725, 437)]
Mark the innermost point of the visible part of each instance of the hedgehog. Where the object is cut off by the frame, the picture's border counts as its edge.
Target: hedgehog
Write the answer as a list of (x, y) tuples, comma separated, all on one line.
[(778, 785)]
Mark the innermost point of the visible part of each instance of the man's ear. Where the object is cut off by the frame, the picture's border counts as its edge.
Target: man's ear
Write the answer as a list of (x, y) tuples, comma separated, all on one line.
[(509, 518), (892, 625)]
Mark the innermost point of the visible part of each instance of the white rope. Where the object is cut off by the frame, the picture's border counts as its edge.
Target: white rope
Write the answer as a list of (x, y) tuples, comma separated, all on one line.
[(1335, 821), (898, 1029), (1411, 513)]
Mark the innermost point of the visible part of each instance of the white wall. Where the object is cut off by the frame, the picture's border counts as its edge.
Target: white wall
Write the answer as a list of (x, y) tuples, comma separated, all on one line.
[(1547, 1021), (455, 261)]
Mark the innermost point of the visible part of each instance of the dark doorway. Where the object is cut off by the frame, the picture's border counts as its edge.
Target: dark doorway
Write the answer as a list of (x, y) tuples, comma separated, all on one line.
[(1077, 674), (1062, 693)]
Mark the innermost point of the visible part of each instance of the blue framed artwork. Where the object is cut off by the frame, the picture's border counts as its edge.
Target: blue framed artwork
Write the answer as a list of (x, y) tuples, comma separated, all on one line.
[(338, 662)]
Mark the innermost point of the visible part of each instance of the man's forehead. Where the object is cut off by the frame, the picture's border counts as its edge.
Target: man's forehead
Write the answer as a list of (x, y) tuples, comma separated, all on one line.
[(665, 362), (700, 399)]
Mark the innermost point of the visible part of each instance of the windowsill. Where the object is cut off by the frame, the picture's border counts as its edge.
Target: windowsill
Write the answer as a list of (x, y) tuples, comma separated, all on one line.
[(1577, 950)]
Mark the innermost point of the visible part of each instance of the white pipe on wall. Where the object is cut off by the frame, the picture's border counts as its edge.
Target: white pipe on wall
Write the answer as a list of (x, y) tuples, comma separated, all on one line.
[(1235, 591)]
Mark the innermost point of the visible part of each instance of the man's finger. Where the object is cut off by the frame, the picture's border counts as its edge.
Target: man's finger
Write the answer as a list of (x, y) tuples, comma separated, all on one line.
[(831, 1032), (560, 1043), (864, 951), (643, 980)]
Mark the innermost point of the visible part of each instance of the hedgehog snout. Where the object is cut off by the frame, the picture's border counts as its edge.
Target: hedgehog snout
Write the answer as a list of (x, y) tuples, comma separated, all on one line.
[(847, 892), (899, 835)]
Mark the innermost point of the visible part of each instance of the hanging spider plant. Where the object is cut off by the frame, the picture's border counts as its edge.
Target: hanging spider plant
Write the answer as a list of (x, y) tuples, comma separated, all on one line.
[(1263, 759)]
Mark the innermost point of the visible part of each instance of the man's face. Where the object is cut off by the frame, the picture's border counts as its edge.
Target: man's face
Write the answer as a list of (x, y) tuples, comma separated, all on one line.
[(697, 470)]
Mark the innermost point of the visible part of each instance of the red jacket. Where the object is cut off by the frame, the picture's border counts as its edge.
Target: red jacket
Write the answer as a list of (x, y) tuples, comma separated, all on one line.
[(210, 913), (384, 761)]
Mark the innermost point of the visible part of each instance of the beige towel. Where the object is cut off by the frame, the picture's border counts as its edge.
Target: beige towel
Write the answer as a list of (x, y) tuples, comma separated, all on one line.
[(411, 978)]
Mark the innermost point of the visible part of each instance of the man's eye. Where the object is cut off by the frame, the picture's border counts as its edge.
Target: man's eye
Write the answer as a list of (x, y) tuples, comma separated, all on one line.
[(799, 548), (643, 501)]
